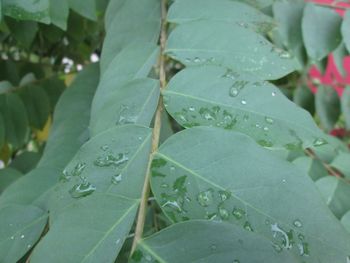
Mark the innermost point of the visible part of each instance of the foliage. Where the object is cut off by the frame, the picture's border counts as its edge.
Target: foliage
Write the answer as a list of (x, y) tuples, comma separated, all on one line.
[(195, 139)]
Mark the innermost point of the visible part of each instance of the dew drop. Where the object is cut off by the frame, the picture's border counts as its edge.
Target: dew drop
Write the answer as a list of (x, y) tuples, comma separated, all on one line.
[(104, 147), (248, 226), (205, 198), (164, 185), (213, 247), (22, 236), (224, 195), (244, 102), (197, 60), (12, 237), (223, 213), (273, 94), (303, 249), (235, 261), (81, 190), (265, 128), (173, 204), (172, 168), (140, 138), (117, 178), (319, 142), (277, 230), (109, 159), (234, 92), (269, 120), (238, 213), (29, 246), (191, 108), (277, 247), (297, 223)]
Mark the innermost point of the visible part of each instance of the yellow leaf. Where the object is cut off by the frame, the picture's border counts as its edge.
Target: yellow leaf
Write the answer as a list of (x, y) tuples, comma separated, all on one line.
[(43, 134)]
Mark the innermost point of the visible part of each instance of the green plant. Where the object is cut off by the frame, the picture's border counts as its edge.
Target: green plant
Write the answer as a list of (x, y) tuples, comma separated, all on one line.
[(186, 151)]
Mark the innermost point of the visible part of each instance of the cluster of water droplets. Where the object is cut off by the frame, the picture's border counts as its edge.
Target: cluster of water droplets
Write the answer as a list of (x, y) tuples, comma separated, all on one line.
[(127, 114)]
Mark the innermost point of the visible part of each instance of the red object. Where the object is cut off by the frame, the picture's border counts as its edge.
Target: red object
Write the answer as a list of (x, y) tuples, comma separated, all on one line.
[(332, 76)]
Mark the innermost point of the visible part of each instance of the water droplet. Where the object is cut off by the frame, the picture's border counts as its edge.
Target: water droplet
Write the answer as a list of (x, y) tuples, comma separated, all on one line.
[(269, 120), (257, 126), (248, 226), (238, 213), (265, 128), (224, 195), (234, 92), (140, 138), (81, 190), (188, 60), (104, 147), (117, 178), (301, 237), (164, 185), (235, 261), (29, 246), (297, 223), (303, 249), (172, 168), (117, 241), (277, 230), (244, 102), (191, 108), (284, 180), (173, 204), (277, 247), (205, 198), (22, 236), (223, 213), (319, 142), (273, 94), (109, 159), (197, 60), (12, 237)]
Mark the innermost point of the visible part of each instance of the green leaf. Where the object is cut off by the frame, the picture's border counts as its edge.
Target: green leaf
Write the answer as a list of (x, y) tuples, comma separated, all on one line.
[(132, 64), (327, 106), (345, 106), (321, 30), (54, 88), (23, 31), (258, 3), (134, 102), (87, 238), (26, 161), (206, 242), (143, 27), (36, 10), (37, 104), (5, 86), (229, 45), (215, 96), (345, 30), (7, 177), (113, 8), (342, 163), (2, 131), (338, 55), (111, 166), (21, 228), (346, 221), (15, 118), (183, 11), (335, 192), (86, 8), (304, 97), (246, 185), (313, 167), (67, 135), (59, 11), (288, 15)]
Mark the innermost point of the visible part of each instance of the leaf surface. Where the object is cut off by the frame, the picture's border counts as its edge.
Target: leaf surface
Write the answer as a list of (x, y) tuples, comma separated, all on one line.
[(244, 184)]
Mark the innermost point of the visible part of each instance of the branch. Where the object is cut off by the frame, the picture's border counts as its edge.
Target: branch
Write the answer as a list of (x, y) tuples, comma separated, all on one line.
[(156, 132), (329, 168)]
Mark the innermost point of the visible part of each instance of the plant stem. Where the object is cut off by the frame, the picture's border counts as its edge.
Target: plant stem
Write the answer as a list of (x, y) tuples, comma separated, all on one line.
[(156, 131), (329, 169)]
